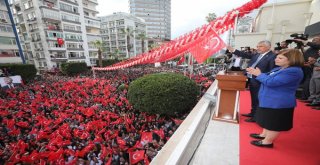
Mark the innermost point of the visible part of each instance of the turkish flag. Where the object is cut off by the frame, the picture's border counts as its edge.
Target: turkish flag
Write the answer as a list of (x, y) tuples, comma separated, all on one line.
[(160, 132), (136, 156), (120, 141), (146, 137), (207, 47)]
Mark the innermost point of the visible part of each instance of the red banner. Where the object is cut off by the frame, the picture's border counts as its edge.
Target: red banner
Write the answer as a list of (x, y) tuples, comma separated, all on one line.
[(207, 47)]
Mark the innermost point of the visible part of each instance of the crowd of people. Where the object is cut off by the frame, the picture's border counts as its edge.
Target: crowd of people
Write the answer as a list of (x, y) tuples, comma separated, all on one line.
[(82, 120), (311, 83)]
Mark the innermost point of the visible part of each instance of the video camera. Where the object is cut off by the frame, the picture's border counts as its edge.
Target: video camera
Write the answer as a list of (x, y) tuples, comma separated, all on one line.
[(278, 47), (297, 36)]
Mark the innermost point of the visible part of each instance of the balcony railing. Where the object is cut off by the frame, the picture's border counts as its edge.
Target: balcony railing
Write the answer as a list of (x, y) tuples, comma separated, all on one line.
[(77, 57)]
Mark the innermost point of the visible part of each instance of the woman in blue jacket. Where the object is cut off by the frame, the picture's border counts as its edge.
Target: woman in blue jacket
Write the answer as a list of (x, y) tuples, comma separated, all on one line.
[(277, 96)]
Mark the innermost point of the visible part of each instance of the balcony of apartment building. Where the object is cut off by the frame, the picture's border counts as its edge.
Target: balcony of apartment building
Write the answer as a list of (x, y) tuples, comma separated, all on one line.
[(54, 46), (70, 18), (56, 56), (76, 55), (27, 5), (36, 39), (93, 1), (4, 20), (49, 15), (74, 46), (89, 6), (73, 2), (91, 22), (6, 30), (53, 27), (51, 5), (69, 9), (7, 43)]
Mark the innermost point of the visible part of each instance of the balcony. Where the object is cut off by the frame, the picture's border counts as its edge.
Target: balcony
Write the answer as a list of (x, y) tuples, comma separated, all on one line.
[(76, 49), (74, 2), (35, 39), (34, 30), (76, 57), (48, 5), (53, 28), (58, 57), (32, 19), (94, 1)]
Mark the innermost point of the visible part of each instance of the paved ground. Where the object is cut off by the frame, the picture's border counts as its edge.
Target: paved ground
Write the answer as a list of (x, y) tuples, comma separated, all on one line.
[(220, 137)]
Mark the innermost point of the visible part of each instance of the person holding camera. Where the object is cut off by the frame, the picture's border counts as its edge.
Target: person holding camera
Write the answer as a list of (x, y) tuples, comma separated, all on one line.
[(264, 60), (314, 47)]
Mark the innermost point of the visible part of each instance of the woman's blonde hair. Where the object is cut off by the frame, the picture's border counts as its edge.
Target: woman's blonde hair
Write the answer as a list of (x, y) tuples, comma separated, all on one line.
[(294, 56)]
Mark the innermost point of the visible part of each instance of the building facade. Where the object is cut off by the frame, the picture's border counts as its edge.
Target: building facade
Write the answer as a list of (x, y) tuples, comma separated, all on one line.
[(123, 35), (9, 52), (276, 22), (57, 31), (157, 15)]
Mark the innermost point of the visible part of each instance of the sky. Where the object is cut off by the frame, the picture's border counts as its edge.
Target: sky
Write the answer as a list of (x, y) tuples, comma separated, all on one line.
[(186, 15)]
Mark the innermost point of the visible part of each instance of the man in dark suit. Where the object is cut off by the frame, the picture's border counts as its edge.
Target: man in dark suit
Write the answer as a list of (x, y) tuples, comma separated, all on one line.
[(9, 83), (264, 60)]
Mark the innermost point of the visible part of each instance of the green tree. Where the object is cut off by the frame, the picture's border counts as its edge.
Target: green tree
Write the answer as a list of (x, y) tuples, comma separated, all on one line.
[(115, 54), (142, 36), (99, 45), (211, 17), (129, 34)]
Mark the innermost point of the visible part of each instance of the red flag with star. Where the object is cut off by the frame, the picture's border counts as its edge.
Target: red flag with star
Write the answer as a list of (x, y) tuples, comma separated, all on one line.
[(136, 156), (207, 47)]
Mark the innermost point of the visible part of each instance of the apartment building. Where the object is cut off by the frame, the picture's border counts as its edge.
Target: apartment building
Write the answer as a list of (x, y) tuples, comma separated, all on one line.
[(9, 52), (43, 24), (123, 34), (157, 15)]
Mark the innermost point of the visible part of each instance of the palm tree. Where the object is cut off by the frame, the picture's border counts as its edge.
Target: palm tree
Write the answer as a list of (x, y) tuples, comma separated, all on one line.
[(129, 33), (99, 45), (115, 54), (142, 36), (210, 17)]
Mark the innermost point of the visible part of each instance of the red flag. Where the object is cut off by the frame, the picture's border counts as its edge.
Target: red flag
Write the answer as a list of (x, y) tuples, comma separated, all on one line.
[(120, 141), (177, 121), (181, 60), (109, 161), (146, 137), (138, 145), (136, 156), (146, 160), (207, 47), (159, 132), (60, 41)]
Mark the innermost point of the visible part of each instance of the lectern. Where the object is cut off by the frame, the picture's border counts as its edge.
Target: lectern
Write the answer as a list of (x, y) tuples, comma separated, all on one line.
[(229, 86)]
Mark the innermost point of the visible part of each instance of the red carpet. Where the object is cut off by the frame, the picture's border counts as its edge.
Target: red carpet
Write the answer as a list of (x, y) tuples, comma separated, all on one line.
[(299, 146)]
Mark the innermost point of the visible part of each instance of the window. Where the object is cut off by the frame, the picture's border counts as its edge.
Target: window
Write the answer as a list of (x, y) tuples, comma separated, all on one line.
[(7, 40), (5, 28)]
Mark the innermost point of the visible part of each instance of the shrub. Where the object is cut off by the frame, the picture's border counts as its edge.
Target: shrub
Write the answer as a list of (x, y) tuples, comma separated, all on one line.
[(163, 93), (26, 71), (108, 62), (73, 68)]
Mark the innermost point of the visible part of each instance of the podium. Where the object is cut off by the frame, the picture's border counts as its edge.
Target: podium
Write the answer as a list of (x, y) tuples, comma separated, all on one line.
[(229, 86)]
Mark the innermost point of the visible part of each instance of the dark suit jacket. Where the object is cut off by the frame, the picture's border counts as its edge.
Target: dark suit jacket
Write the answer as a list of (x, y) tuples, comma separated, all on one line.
[(6, 87), (266, 64)]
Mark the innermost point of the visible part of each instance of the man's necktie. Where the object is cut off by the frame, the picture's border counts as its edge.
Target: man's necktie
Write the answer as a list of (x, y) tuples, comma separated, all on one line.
[(255, 64)]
